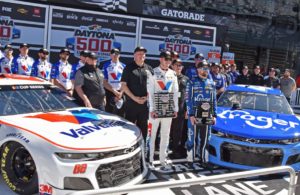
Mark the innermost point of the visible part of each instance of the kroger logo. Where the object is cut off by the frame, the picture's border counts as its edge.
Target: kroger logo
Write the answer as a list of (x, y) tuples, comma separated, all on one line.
[(260, 122), (200, 98)]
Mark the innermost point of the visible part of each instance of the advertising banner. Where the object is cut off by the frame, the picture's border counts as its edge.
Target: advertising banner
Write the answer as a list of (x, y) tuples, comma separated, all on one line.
[(22, 22), (228, 58), (80, 30), (186, 39)]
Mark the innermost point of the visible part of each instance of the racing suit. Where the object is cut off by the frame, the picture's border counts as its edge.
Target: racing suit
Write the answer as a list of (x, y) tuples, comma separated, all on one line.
[(160, 81), (6, 65), (41, 69), (198, 90), (78, 65), (64, 73), (22, 65)]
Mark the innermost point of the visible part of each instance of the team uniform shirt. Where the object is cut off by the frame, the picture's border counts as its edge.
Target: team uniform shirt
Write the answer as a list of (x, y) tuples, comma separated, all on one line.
[(219, 80), (23, 65), (41, 69), (6, 65), (1, 55), (234, 75), (113, 73), (64, 73)]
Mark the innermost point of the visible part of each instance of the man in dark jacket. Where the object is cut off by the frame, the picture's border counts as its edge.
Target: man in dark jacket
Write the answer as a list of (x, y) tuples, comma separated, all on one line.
[(89, 84), (243, 78), (256, 78)]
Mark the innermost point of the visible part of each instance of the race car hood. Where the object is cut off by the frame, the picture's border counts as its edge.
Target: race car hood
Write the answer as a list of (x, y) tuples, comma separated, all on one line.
[(257, 124), (77, 129)]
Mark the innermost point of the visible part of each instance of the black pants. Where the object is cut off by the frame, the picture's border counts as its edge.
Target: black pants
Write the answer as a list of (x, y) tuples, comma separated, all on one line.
[(111, 108), (138, 114), (177, 133)]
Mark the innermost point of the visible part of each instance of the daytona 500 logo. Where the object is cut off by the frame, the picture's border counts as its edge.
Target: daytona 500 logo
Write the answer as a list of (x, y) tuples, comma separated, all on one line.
[(8, 30), (264, 122), (93, 38)]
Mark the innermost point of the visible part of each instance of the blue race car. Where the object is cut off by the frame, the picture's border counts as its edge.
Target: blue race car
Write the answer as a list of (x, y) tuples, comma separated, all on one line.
[(255, 128)]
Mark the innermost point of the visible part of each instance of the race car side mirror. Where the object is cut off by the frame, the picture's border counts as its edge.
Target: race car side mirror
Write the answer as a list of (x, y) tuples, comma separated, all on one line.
[(236, 106)]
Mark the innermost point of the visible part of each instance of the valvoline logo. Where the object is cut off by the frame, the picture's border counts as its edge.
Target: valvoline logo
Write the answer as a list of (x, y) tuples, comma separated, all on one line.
[(116, 76), (164, 86), (76, 117)]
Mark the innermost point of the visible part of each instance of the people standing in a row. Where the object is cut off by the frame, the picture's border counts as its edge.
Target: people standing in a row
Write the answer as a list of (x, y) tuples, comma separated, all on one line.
[(113, 71), (244, 77), (134, 84), (162, 88), (256, 78)]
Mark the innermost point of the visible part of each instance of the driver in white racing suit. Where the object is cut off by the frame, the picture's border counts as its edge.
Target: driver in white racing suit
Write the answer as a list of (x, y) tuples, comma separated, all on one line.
[(163, 80)]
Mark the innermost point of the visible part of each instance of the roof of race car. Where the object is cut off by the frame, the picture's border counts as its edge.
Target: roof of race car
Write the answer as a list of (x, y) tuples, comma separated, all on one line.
[(254, 89), (15, 79)]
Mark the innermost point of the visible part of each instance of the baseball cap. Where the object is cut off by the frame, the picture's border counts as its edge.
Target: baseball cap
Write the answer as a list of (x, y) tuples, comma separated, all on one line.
[(65, 50), (245, 67), (92, 55), (140, 48), (257, 67), (199, 55), (272, 69), (177, 61), (174, 54), (84, 53), (8, 47), (24, 45), (166, 55), (115, 51), (44, 51), (216, 64)]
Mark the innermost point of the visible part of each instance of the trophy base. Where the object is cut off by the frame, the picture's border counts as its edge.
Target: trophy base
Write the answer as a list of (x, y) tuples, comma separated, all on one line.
[(204, 121)]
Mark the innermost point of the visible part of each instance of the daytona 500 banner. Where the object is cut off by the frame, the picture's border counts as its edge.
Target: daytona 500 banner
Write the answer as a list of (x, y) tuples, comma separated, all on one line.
[(186, 39), (22, 22), (81, 30)]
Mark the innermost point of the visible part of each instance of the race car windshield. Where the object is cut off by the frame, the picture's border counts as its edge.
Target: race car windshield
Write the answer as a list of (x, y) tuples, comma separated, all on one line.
[(255, 101), (29, 99)]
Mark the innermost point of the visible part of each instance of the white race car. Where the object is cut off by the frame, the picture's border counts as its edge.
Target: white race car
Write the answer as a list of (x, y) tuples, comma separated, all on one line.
[(51, 146)]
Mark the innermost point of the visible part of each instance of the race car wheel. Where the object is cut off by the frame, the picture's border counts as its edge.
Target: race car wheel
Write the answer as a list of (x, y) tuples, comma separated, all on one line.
[(18, 169)]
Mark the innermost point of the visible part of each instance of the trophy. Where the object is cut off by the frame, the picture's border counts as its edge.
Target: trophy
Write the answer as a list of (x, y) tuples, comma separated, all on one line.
[(203, 113), (164, 104)]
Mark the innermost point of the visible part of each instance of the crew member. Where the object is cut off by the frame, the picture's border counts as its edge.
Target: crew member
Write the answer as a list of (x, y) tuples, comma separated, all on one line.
[(82, 60), (233, 73), (192, 71), (89, 84), (42, 67), (244, 78), (178, 123), (218, 79), (200, 94), (134, 84), (113, 71), (62, 72), (162, 87), (23, 64), (256, 78), (6, 62), (272, 81)]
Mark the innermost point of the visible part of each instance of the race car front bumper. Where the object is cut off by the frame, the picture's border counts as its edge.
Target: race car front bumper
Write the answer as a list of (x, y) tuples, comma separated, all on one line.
[(249, 154)]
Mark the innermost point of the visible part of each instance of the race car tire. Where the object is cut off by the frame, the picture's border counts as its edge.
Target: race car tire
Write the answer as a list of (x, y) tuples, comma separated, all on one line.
[(18, 169)]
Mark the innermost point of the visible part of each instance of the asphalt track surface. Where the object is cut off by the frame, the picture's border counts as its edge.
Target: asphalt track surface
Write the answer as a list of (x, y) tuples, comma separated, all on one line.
[(266, 185)]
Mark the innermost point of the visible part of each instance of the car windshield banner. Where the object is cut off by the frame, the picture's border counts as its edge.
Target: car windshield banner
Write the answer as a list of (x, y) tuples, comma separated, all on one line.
[(185, 39), (22, 22), (87, 30)]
